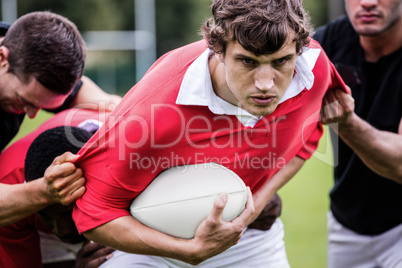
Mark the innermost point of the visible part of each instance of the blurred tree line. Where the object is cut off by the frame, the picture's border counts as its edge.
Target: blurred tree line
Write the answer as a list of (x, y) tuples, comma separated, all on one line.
[(177, 23)]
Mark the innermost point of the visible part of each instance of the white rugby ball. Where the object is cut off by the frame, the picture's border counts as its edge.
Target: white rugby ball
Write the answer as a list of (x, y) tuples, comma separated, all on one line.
[(179, 198)]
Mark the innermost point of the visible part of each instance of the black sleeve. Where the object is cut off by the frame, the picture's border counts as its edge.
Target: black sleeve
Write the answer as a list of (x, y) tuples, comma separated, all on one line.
[(4, 26), (69, 99), (319, 34)]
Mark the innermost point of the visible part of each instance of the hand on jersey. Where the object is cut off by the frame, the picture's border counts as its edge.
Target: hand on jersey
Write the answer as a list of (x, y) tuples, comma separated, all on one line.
[(64, 183), (337, 107)]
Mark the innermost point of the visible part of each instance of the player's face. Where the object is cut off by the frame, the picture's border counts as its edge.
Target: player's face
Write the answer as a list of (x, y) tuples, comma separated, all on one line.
[(257, 83), (58, 218), (17, 97), (374, 17)]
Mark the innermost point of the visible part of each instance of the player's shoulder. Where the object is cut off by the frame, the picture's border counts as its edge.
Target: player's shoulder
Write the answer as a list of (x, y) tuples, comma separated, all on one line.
[(162, 82)]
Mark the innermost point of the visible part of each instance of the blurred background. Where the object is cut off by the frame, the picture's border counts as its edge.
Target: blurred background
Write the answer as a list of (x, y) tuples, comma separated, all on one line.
[(125, 37)]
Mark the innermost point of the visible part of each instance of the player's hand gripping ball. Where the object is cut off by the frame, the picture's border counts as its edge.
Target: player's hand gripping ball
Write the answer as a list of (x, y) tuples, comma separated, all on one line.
[(179, 198)]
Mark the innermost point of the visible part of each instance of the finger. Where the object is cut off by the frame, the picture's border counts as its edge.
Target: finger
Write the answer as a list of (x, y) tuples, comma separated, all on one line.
[(61, 179), (73, 196), (73, 193), (330, 96), (218, 207), (250, 200), (66, 157), (249, 210), (346, 100), (323, 118), (331, 109), (325, 110), (334, 110), (91, 247), (331, 104), (54, 172), (69, 192), (103, 252), (98, 261), (348, 90), (96, 250)]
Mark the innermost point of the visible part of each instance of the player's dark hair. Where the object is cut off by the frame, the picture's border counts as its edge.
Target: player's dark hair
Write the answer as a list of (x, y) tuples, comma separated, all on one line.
[(50, 144), (47, 47), (260, 26)]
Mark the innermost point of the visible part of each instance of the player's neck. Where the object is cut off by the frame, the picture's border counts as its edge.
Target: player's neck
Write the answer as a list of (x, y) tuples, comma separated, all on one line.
[(379, 46)]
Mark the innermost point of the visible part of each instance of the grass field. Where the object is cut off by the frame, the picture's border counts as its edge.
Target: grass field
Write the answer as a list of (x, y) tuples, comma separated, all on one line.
[(305, 204)]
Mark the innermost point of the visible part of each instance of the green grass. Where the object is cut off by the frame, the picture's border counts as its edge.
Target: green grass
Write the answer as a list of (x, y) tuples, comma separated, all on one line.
[(305, 204)]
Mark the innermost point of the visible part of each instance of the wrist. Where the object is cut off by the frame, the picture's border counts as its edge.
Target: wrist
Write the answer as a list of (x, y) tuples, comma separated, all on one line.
[(348, 125), (39, 194), (192, 253)]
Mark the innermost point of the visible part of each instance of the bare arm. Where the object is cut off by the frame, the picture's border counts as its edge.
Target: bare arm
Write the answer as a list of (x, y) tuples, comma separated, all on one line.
[(267, 191), (381, 151), (20, 200), (212, 237), (62, 183), (91, 96), (268, 215)]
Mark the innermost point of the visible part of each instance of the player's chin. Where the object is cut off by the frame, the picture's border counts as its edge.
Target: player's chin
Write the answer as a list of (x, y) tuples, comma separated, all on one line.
[(257, 109), (261, 110)]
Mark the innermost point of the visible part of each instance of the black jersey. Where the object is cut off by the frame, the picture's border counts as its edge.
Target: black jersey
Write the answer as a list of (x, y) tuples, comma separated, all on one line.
[(360, 199)]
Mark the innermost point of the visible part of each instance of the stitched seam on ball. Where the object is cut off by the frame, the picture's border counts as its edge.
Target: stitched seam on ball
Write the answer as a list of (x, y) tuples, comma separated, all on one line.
[(188, 199)]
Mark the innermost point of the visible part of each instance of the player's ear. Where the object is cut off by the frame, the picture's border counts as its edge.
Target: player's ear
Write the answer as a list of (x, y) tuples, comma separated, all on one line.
[(4, 51), (220, 57)]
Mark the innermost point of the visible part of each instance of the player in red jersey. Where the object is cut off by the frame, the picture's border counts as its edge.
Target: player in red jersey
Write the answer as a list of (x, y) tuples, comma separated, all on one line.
[(248, 98)]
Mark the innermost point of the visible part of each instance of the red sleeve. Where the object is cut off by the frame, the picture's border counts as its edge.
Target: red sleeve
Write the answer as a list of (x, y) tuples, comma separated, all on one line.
[(111, 182), (313, 130), (100, 203), (310, 145)]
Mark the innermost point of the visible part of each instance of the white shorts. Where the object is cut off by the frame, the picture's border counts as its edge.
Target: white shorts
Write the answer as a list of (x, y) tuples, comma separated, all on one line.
[(256, 249), (349, 249), (55, 250)]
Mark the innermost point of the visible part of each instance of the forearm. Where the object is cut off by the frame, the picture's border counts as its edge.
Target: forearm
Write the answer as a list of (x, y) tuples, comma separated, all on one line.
[(265, 193), (21, 200), (380, 150), (129, 235), (213, 235), (91, 96)]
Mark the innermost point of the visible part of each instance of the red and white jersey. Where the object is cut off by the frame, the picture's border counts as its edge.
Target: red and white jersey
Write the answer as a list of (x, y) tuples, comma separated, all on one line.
[(153, 129)]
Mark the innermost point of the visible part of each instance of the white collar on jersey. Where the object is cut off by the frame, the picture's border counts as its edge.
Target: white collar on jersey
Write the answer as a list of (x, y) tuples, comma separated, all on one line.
[(196, 87)]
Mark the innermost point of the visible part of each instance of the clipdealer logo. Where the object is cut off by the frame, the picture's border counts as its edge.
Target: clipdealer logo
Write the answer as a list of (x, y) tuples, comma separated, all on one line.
[(246, 161)]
